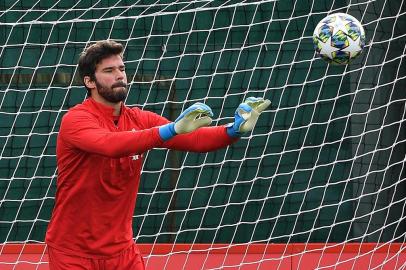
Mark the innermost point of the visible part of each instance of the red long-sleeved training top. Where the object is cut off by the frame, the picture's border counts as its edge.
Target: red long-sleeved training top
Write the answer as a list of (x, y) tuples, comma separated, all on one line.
[(99, 167)]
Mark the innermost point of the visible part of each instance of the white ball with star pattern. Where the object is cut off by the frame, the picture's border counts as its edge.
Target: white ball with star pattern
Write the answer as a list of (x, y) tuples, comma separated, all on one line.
[(339, 38)]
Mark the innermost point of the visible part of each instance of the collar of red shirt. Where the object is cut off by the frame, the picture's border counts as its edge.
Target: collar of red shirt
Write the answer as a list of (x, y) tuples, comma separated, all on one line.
[(104, 110)]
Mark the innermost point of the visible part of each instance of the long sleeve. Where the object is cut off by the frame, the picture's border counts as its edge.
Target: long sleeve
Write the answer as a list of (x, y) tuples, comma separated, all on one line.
[(204, 139), (81, 130)]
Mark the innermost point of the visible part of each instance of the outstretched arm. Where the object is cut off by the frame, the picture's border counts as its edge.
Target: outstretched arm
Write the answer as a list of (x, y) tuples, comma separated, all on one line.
[(81, 131), (189, 132), (206, 139)]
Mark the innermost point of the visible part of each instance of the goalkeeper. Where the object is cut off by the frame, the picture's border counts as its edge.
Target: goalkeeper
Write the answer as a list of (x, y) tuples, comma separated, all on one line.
[(100, 147)]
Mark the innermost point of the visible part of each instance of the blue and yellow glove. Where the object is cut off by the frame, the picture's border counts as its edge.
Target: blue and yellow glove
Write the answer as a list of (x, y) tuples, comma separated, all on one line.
[(196, 116), (246, 116)]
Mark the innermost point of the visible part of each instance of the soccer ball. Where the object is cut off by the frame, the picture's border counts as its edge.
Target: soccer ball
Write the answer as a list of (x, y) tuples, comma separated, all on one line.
[(339, 38)]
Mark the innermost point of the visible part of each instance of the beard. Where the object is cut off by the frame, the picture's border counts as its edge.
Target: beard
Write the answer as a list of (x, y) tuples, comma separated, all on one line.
[(113, 95)]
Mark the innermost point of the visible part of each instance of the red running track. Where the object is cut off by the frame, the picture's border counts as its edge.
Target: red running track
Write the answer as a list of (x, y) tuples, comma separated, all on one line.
[(383, 256)]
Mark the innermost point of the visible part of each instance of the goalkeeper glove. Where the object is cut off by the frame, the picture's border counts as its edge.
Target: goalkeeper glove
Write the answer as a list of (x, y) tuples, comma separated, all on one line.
[(246, 116), (194, 117)]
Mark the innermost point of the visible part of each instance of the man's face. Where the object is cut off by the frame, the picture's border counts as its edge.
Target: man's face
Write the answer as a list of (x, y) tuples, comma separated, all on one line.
[(111, 80)]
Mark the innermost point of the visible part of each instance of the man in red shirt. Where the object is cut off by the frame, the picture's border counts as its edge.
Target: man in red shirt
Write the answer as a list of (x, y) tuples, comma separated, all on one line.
[(99, 156)]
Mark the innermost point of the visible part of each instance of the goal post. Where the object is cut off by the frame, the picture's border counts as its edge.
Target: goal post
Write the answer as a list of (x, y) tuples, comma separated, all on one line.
[(323, 170)]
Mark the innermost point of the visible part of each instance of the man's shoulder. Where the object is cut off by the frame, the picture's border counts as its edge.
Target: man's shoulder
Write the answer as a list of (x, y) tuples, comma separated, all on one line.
[(140, 112), (132, 109), (135, 111), (79, 110), (144, 118)]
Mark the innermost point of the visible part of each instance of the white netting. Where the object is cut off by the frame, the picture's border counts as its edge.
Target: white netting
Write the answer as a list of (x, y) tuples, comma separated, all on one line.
[(325, 163)]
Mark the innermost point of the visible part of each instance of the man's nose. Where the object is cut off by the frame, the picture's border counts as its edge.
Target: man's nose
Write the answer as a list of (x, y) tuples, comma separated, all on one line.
[(120, 75)]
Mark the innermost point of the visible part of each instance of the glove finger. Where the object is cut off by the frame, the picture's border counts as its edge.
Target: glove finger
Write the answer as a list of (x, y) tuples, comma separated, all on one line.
[(254, 102), (206, 107), (198, 109), (245, 107), (202, 122), (198, 113), (248, 125), (244, 110), (244, 114), (209, 111), (263, 105), (253, 99)]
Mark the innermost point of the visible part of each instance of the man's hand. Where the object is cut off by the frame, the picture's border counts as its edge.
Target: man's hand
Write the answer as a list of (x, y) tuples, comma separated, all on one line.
[(196, 116), (246, 116)]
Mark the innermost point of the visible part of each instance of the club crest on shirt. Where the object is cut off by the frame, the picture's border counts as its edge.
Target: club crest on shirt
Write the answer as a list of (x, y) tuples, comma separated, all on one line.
[(136, 157)]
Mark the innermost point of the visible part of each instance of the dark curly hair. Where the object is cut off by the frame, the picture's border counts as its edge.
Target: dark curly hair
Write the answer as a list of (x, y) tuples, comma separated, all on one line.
[(94, 54)]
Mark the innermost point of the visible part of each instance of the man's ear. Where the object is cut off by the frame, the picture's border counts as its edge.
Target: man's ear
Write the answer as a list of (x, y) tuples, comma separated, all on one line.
[(89, 83)]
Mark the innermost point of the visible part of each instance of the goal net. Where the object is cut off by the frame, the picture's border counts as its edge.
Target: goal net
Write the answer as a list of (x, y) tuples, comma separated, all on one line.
[(320, 182)]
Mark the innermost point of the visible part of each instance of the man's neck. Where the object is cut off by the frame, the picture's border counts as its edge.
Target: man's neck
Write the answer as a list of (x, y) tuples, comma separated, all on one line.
[(115, 106)]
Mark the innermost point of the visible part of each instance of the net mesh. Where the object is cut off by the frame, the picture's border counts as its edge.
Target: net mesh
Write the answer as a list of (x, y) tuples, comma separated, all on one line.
[(325, 162)]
